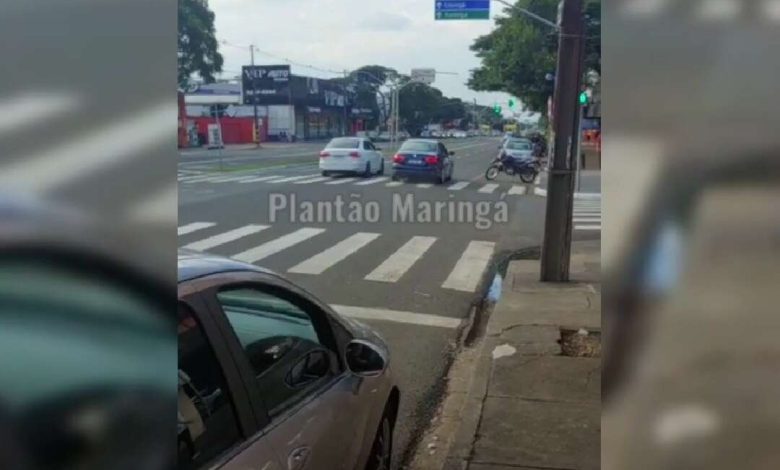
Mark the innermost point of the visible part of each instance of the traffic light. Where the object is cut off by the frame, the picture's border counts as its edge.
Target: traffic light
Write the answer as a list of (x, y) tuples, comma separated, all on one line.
[(511, 103), (584, 98), (497, 109)]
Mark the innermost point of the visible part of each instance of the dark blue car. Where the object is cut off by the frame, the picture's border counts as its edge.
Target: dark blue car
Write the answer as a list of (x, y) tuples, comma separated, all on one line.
[(423, 158)]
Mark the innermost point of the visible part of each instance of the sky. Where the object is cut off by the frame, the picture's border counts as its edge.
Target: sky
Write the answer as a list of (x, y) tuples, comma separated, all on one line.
[(347, 34)]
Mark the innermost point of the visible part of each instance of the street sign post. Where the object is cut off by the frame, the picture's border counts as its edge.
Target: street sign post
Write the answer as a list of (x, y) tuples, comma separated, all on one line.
[(427, 76), (462, 10)]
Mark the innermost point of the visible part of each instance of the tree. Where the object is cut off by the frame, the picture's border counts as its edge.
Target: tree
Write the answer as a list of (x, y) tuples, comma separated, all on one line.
[(517, 56), (197, 44)]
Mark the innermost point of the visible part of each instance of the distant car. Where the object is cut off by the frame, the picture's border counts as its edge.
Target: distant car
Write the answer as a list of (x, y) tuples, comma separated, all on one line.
[(272, 377), (519, 149), (351, 155), (423, 158), (460, 134)]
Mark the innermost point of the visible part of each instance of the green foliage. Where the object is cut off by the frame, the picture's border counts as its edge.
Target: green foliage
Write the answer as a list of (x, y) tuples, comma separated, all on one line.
[(197, 44), (520, 52)]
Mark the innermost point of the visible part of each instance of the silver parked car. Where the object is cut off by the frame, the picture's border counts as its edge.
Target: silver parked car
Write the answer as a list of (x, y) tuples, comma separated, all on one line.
[(272, 378)]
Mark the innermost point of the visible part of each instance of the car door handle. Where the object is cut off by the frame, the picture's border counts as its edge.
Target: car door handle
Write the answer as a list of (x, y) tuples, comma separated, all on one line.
[(298, 457)]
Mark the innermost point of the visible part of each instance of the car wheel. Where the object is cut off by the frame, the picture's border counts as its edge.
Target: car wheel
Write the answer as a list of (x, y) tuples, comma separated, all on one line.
[(441, 178), (394, 178), (367, 172), (381, 168), (325, 173), (382, 448)]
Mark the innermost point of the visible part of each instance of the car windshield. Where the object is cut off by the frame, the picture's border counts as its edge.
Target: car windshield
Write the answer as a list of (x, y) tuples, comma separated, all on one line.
[(518, 145), (418, 146), (343, 144)]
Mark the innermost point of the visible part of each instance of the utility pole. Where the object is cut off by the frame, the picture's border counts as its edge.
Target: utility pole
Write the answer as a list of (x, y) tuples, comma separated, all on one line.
[(254, 95), (346, 74), (556, 248)]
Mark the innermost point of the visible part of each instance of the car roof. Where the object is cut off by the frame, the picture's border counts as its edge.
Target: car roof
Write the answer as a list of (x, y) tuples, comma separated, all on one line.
[(193, 264)]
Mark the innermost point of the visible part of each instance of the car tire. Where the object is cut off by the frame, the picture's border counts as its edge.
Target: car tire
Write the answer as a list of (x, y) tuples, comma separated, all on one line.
[(367, 172), (382, 447), (441, 178), (394, 178), (325, 173), (381, 168)]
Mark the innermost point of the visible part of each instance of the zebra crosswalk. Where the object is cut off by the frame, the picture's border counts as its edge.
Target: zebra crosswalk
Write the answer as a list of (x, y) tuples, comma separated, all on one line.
[(587, 214), (315, 178), (705, 11), (464, 272)]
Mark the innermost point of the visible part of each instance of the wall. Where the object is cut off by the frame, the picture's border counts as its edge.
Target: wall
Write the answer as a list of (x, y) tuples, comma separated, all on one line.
[(235, 130)]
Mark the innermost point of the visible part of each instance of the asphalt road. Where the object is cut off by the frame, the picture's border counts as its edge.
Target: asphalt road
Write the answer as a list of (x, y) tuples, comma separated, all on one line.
[(413, 280)]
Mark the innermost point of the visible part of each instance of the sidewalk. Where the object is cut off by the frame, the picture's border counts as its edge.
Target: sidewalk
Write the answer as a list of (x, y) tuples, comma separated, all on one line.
[(514, 400)]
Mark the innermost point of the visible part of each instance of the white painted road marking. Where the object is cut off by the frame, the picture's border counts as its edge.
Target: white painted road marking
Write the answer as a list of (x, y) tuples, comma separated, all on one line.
[(488, 188), (458, 186), (26, 110), (372, 181), (587, 227), (424, 185), (265, 250), (260, 178), (644, 8), (341, 181), (397, 316), (292, 178), (318, 263), (468, 270), (719, 10), (313, 180), (160, 207), (517, 190), (83, 156), (394, 267), (195, 226), (226, 237), (394, 184)]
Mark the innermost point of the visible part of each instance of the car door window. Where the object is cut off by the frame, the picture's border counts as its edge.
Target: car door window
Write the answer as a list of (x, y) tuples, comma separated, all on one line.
[(286, 352), (443, 151), (367, 145), (207, 424)]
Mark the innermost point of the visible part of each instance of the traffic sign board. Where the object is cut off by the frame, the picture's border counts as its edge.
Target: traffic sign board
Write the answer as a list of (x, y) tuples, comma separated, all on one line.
[(462, 10), (427, 76)]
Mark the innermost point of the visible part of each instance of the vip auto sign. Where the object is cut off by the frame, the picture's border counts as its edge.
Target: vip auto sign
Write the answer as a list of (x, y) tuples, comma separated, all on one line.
[(259, 82)]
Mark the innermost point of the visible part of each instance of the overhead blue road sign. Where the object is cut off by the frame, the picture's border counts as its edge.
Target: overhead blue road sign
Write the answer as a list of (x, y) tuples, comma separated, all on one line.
[(462, 10)]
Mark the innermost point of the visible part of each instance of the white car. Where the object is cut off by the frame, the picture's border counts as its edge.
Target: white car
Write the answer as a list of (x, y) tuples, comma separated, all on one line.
[(459, 134), (351, 155)]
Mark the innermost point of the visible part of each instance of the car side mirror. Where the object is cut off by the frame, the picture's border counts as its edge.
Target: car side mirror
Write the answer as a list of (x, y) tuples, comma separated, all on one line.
[(365, 359), (310, 368)]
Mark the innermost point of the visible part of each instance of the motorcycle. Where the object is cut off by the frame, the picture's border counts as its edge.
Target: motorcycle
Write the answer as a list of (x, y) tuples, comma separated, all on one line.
[(527, 170)]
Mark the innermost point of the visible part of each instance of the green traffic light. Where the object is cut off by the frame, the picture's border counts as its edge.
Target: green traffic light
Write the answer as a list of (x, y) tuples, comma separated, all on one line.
[(511, 103), (583, 98)]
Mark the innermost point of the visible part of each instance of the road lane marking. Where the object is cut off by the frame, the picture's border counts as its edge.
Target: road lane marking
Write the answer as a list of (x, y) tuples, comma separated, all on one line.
[(260, 178), (160, 207), (488, 188), (771, 10), (394, 267), (267, 249), (587, 227), (313, 180), (644, 8), (342, 181), (194, 227), (424, 185), (292, 178), (397, 316), (228, 179), (86, 155), (517, 189), (318, 263), (372, 181), (719, 10), (586, 219), (227, 237), (468, 270), (27, 109), (539, 191), (458, 186)]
